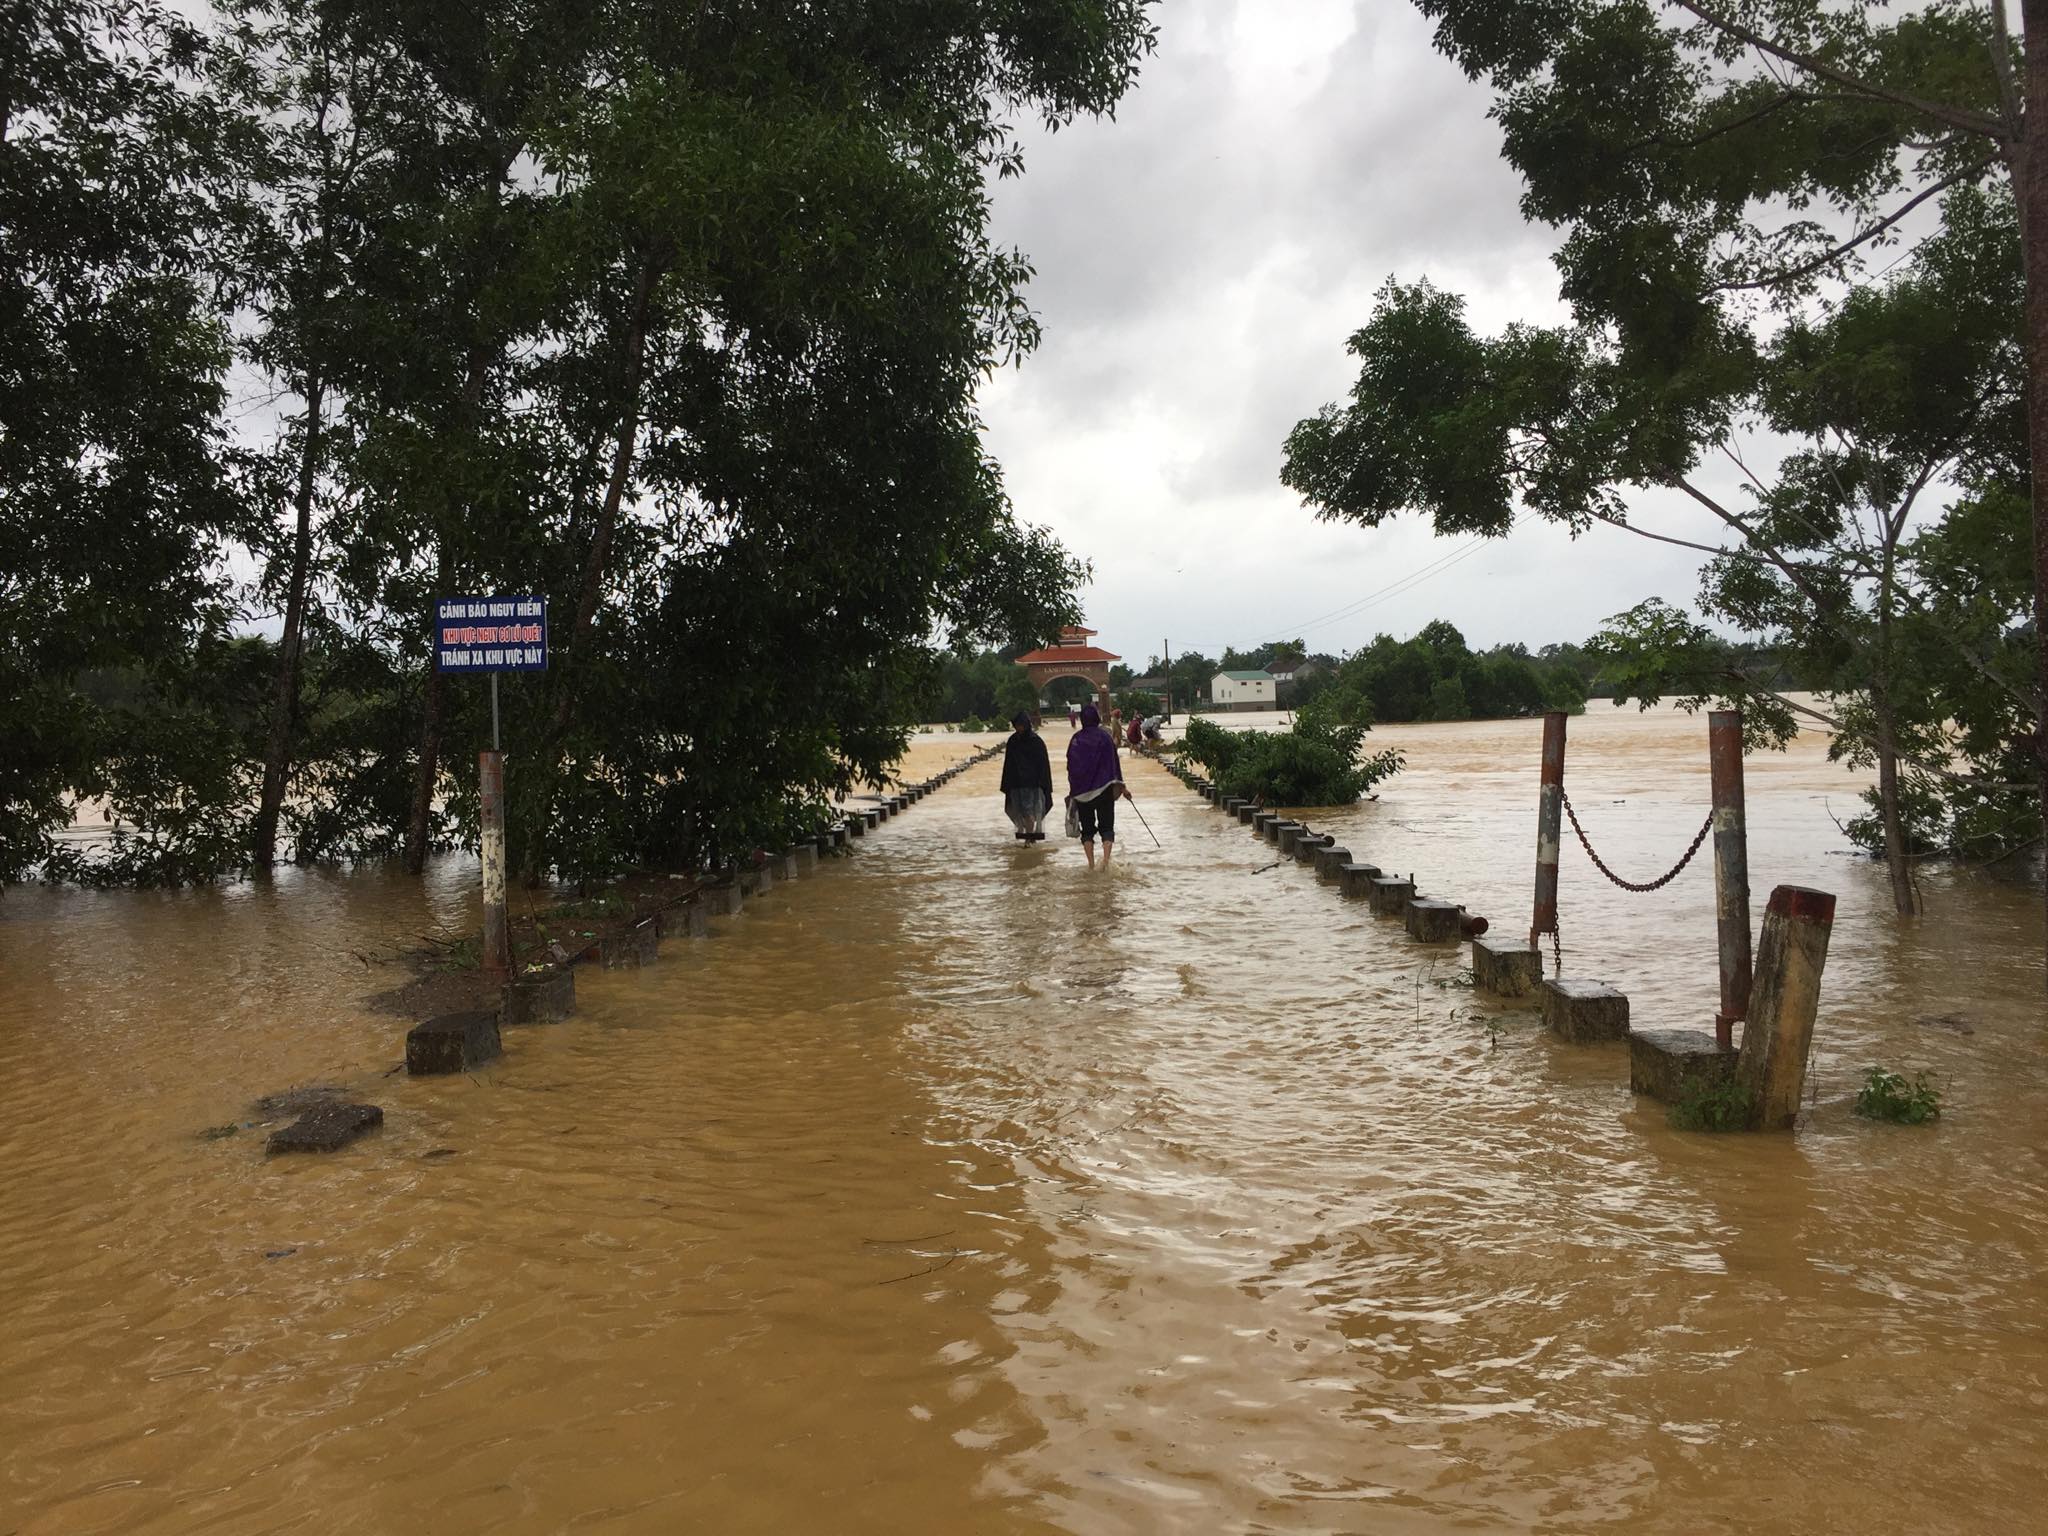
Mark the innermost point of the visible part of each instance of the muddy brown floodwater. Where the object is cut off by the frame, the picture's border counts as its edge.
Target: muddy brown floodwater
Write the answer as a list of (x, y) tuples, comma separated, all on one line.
[(958, 1190)]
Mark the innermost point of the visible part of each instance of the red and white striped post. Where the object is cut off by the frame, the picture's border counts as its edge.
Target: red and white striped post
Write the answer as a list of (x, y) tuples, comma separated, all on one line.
[(1731, 870), (1549, 826)]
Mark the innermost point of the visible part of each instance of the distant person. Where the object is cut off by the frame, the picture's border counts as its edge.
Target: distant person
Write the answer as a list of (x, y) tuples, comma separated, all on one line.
[(1153, 727), (1094, 783), (1134, 733), (1073, 719), (1027, 780)]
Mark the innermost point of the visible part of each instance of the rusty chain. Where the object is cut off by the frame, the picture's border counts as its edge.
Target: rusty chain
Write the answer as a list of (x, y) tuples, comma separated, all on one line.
[(1629, 885)]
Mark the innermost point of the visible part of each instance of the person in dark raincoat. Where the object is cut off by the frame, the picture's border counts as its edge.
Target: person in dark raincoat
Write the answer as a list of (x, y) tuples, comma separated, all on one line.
[(1027, 780), (1094, 783)]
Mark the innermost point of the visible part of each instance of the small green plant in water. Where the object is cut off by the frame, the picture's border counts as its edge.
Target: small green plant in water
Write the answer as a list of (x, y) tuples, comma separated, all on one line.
[(1892, 1096), (1722, 1105)]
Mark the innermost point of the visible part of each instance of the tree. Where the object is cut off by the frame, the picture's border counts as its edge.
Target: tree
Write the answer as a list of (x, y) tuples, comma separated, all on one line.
[(1705, 159), (115, 506)]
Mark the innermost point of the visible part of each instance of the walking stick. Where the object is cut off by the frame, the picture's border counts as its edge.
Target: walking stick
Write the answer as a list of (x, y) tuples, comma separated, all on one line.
[(1141, 819)]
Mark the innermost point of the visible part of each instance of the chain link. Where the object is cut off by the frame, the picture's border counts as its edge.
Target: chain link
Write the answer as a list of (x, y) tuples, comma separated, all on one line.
[(1629, 885)]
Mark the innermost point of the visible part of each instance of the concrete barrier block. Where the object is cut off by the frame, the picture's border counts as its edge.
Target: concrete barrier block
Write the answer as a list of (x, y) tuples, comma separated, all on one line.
[(1667, 1063), (756, 878), (1329, 859), (1291, 834), (1277, 826), (1505, 967), (452, 1042), (1584, 1011), (637, 945), (1431, 921), (1355, 880), (325, 1128), (545, 997), (785, 865), (1308, 844), (1390, 896), (724, 900)]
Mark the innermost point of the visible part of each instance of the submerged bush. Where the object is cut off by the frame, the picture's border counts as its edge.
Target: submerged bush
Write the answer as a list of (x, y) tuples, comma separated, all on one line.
[(1890, 1096), (1314, 763)]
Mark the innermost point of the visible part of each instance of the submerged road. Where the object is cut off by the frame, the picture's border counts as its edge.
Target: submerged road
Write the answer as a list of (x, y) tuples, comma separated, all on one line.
[(957, 1188)]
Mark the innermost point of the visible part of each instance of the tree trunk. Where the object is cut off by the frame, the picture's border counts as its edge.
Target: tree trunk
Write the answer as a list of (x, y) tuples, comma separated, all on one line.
[(2030, 187), (284, 698), (599, 556), (427, 771), (1897, 856)]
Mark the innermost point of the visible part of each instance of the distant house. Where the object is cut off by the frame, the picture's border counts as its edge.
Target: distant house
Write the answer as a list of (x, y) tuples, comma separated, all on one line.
[(1243, 690), (1283, 667)]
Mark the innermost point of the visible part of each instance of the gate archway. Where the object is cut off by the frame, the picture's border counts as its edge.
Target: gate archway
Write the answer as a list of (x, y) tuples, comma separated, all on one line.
[(1071, 656)]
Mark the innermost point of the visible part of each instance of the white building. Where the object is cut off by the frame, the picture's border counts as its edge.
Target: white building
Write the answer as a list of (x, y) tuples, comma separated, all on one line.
[(1243, 690)]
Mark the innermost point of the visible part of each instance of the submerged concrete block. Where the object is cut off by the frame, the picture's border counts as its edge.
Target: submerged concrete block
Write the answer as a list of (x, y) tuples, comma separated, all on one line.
[(756, 878), (804, 858), (1356, 879), (1276, 827), (451, 1043), (1584, 1011), (723, 900), (1431, 921), (1505, 967), (1329, 859), (637, 945), (326, 1128), (872, 818), (1291, 834), (1390, 896), (1665, 1063), (856, 825), (1308, 845), (784, 865), (543, 997), (1247, 813)]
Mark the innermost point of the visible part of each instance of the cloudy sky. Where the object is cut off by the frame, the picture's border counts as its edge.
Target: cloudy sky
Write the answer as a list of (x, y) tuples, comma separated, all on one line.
[(1201, 261)]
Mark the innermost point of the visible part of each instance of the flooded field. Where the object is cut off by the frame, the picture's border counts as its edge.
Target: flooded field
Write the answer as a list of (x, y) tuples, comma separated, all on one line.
[(956, 1189)]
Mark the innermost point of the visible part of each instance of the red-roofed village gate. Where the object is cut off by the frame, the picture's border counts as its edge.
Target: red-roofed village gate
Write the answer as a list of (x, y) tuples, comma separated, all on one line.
[(1071, 656)]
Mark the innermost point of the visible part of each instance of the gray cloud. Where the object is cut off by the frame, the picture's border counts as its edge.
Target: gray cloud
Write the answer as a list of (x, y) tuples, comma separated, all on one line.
[(1201, 261)]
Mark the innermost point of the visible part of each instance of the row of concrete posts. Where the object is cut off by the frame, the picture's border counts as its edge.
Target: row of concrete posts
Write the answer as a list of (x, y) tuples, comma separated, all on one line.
[(1774, 995)]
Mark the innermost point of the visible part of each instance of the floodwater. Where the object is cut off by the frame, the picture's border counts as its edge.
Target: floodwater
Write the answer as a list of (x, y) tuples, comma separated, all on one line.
[(957, 1189)]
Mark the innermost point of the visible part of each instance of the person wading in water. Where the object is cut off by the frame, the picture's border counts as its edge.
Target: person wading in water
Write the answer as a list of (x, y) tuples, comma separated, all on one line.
[(1094, 781), (1027, 780)]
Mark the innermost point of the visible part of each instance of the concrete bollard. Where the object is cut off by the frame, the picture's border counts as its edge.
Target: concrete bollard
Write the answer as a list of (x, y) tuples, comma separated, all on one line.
[(1431, 921), (756, 878), (453, 1042), (871, 818), (805, 858), (1290, 835), (855, 825), (691, 920), (1390, 895), (1584, 1011), (1505, 968), (1667, 1064), (784, 865), (1329, 859), (325, 1128), (545, 997), (723, 900), (1247, 813), (637, 945), (1784, 996), (1355, 880), (1278, 825), (1306, 846)]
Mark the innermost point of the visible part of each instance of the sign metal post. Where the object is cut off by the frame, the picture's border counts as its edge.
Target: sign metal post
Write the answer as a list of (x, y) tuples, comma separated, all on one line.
[(504, 633)]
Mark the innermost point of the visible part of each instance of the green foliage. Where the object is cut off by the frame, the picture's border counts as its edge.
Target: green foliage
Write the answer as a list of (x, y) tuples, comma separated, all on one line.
[(675, 318), (1718, 255), (1719, 1105), (1892, 1097), (1315, 763)]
